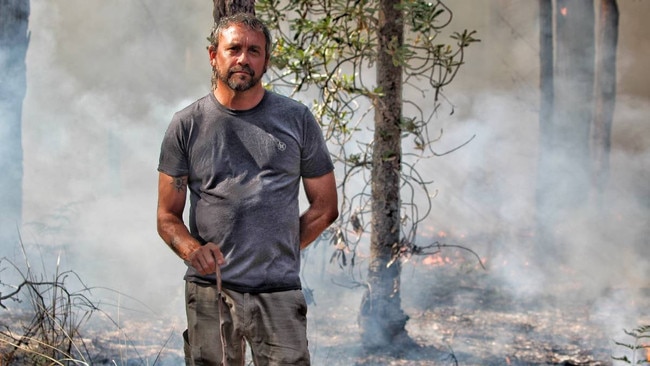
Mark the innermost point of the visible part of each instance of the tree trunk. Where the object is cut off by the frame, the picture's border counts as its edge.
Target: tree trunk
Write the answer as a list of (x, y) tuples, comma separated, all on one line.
[(545, 123), (224, 8), (565, 178), (382, 320), (605, 97), (574, 100), (14, 39)]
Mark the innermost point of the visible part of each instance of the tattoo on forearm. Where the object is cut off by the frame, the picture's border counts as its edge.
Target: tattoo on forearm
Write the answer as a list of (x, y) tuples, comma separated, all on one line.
[(180, 183)]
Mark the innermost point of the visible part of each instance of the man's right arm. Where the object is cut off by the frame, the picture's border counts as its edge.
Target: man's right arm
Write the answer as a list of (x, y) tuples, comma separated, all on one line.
[(172, 193)]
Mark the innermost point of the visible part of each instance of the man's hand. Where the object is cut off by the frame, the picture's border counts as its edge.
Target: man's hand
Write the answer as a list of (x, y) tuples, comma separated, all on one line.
[(206, 258)]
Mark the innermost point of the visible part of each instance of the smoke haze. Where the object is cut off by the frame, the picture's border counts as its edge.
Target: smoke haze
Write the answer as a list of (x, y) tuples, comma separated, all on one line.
[(104, 79)]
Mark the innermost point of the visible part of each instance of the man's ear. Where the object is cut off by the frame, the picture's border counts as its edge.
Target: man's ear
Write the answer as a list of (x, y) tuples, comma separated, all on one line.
[(212, 53)]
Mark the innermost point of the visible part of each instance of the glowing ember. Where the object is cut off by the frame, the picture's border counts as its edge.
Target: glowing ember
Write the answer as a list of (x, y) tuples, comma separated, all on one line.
[(436, 260)]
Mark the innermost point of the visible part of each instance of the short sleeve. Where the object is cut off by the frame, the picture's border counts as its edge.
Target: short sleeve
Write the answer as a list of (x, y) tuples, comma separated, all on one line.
[(315, 159), (173, 151)]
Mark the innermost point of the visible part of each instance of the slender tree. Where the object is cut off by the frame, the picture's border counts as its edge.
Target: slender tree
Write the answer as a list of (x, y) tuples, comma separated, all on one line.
[(564, 163), (545, 123), (574, 71), (382, 319), (14, 39), (605, 97), (575, 137)]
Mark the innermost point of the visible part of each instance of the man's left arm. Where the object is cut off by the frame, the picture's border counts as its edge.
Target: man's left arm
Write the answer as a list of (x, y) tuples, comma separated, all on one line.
[(323, 207)]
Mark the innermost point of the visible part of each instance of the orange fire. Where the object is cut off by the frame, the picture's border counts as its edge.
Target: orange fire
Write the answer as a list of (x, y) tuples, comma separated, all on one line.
[(563, 11), (436, 260)]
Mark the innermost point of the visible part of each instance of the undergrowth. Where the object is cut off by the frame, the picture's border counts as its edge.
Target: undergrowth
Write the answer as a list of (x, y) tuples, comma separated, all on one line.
[(638, 349), (46, 317)]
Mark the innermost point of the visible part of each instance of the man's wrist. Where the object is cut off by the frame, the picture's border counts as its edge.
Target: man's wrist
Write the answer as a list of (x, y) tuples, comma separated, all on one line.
[(184, 249)]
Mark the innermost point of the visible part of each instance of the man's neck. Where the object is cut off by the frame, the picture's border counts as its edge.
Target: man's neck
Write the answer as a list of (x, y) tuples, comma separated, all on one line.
[(239, 101)]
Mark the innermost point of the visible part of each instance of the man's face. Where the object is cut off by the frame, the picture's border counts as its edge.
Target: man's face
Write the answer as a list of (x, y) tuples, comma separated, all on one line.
[(240, 58)]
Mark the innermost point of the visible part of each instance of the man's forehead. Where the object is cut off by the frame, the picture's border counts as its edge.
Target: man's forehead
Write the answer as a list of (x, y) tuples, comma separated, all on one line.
[(239, 33)]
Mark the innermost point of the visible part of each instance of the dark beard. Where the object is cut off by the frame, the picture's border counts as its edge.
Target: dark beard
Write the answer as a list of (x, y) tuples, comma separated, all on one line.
[(235, 83)]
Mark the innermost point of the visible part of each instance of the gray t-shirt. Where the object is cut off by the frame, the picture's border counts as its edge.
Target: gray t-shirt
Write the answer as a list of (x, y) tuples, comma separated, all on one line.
[(244, 170)]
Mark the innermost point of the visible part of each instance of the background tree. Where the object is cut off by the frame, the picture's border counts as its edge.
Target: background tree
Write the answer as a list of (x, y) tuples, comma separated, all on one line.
[(574, 71), (382, 319), (605, 97), (14, 39), (578, 94), (545, 163), (326, 49)]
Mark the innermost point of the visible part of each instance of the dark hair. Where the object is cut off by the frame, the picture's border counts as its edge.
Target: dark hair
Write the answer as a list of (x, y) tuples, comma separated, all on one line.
[(245, 19)]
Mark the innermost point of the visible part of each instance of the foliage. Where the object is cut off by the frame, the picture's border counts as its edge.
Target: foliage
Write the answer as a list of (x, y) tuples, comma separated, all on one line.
[(325, 49), (641, 339)]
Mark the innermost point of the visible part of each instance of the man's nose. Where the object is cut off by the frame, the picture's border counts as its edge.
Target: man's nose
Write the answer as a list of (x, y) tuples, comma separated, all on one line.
[(243, 58)]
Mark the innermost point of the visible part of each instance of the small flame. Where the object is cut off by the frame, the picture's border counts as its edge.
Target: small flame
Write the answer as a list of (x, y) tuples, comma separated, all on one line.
[(436, 260), (564, 11)]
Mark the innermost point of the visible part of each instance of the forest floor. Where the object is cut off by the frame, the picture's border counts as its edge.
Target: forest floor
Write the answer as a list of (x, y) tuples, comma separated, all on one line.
[(456, 317), (465, 319)]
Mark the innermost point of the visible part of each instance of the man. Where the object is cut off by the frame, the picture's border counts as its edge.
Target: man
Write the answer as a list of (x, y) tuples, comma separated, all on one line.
[(242, 152)]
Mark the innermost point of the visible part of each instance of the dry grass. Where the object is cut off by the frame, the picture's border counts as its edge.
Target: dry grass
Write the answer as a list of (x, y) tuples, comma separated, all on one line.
[(56, 319)]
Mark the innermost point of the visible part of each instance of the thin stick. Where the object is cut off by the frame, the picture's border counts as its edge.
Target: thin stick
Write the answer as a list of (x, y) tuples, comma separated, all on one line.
[(224, 359)]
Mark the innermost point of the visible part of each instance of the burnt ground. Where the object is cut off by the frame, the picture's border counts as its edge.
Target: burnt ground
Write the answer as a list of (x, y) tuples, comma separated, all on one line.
[(461, 318), (457, 317)]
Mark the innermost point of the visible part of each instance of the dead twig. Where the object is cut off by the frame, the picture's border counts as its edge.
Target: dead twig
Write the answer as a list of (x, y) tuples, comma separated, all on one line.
[(407, 249)]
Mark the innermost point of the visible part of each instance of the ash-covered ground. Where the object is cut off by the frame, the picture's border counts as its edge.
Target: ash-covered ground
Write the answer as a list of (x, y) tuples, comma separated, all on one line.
[(460, 314)]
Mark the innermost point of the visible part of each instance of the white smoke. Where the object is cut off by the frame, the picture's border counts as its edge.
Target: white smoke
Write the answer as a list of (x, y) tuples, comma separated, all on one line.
[(103, 82), (104, 79)]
